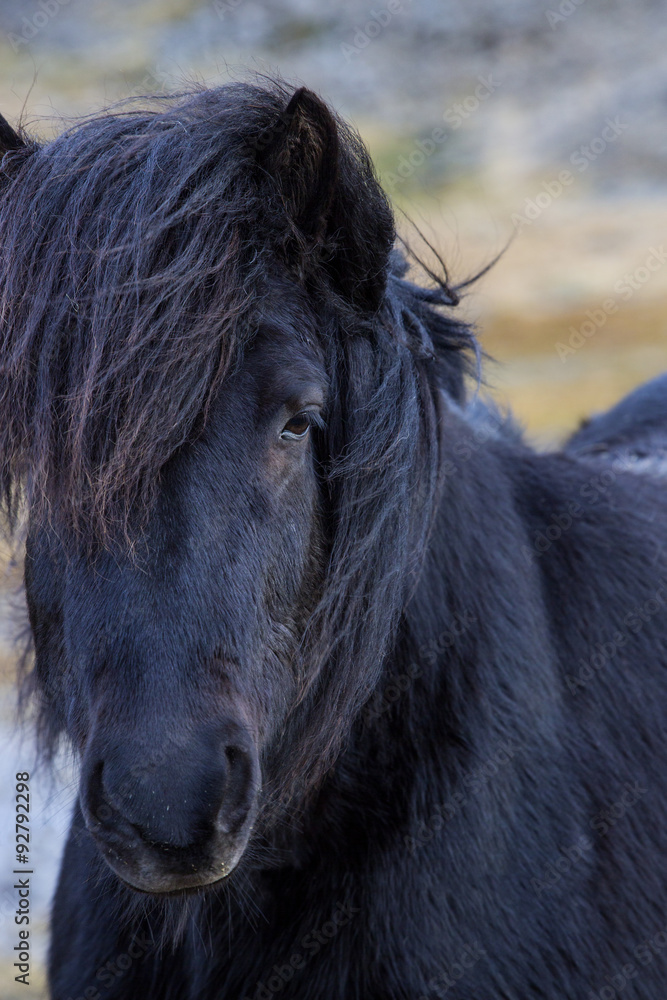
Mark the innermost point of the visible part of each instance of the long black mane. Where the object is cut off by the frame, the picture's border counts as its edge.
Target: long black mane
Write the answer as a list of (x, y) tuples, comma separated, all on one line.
[(400, 669), (139, 252)]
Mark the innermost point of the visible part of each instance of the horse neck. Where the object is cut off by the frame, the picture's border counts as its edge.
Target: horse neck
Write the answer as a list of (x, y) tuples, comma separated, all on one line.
[(474, 649)]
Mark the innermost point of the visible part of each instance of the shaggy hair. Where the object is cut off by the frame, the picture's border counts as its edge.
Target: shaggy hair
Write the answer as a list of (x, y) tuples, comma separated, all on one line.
[(138, 249), (483, 654)]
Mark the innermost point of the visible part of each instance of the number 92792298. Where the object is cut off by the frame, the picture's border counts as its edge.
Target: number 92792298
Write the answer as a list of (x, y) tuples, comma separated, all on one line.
[(22, 817)]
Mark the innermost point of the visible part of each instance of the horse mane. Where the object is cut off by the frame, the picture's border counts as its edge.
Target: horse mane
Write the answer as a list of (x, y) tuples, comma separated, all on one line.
[(137, 250)]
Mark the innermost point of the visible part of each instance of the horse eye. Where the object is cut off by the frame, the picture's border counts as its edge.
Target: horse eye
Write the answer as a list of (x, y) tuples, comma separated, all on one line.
[(296, 427)]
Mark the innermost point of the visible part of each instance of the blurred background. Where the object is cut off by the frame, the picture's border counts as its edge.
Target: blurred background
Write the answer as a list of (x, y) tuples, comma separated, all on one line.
[(537, 126)]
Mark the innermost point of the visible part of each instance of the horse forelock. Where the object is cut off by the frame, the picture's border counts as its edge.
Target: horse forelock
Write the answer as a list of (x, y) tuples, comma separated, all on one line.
[(135, 247), (133, 253), (139, 251)]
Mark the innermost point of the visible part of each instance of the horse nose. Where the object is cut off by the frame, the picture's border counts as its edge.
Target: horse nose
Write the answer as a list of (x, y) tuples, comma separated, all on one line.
[(177, 792)]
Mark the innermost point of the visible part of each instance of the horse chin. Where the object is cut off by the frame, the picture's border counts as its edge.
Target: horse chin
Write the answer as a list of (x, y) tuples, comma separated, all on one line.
[(162, 869), (157, 881)]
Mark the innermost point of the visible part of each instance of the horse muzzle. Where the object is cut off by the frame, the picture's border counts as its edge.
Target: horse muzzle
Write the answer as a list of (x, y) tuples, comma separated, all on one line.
[(176, 815)]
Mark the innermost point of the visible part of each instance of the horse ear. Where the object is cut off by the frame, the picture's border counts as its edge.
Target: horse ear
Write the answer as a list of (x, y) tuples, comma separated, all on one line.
[(328, 188), (10, 142), (300, 151), (9, 139)]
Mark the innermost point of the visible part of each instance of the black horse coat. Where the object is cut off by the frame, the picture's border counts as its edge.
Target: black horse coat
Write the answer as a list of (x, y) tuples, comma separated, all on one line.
[(370, 697)]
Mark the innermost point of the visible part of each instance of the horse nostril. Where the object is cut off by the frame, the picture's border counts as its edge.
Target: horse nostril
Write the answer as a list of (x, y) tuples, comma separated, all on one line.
[(240, 788), (100, 810), (195, 797)]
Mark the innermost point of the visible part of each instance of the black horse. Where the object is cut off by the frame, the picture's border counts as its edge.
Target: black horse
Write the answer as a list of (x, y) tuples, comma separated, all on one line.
[(369, 697)]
